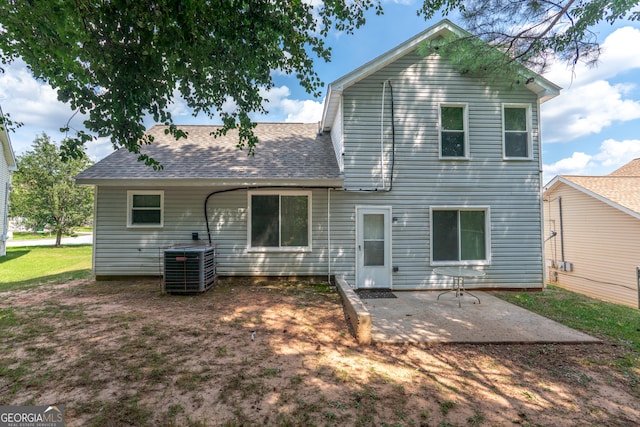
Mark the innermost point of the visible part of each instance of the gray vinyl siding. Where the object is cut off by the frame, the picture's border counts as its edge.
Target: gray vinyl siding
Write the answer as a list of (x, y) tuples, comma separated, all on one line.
[(511, 189), (599, 240), (134, 251)]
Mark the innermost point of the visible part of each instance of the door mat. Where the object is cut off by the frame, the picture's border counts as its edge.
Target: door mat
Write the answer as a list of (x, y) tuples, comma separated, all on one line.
[(375, 293)]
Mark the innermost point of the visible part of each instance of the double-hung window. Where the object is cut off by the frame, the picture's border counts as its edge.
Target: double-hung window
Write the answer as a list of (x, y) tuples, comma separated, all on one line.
[(145, 208), (279, 221), (460, 235), (453, 131), (516, 122)]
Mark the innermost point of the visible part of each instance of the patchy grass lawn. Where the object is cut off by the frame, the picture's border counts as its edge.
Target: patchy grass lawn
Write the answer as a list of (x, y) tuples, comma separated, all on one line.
[(34, 265), (123, 353)]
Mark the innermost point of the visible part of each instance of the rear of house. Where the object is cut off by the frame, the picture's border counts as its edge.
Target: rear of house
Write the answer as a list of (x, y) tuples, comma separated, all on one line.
[(592, 224), (413, 166)]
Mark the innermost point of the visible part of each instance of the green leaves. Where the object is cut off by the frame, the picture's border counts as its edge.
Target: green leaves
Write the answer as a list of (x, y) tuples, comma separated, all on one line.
[(533, 32), (122, 60)]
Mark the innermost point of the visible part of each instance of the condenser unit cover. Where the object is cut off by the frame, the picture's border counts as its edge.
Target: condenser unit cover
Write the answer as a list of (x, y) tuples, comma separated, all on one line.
[(189, 269)]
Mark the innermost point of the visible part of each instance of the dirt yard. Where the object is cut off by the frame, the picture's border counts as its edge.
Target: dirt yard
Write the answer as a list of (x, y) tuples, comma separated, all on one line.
[(122, 353)]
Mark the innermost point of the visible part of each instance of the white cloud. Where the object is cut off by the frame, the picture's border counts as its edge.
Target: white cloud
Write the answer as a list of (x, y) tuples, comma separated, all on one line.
[(611, 155), (587, 110), (35, 104), (577, 164), (282, 108), (307, 111), (99, 148), (589, 103), (614, 154)]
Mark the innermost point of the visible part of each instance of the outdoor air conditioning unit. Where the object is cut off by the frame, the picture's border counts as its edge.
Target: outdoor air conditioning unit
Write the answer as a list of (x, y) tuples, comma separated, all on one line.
[(189, 269)]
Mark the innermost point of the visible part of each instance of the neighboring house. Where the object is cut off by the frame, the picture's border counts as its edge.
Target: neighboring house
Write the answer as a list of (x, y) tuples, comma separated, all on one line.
[(7, 167), (592, 224), (413, 166)]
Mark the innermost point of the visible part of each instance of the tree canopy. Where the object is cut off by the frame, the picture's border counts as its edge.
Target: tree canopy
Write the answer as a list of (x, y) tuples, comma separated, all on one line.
[(533, 32), (44, 193), (119, 61)]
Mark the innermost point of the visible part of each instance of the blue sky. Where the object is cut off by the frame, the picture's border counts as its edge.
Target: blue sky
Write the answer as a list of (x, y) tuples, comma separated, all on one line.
[(592, 128)]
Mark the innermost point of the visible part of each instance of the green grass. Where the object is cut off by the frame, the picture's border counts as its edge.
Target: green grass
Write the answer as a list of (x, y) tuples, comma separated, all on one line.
[(604, 320), (28, 266), (29, 235)]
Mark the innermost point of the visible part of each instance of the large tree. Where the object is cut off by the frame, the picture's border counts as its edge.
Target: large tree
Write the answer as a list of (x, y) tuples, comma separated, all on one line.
[(44, 191), (119, 60), (531, 32)]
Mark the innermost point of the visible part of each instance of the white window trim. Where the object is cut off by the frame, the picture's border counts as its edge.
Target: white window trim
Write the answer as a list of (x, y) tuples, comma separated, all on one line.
[(487, 230), (529, 135), (130, 194), (279, 248), (465, 111)]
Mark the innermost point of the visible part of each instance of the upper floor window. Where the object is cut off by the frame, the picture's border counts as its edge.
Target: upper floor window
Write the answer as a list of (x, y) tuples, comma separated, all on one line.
[(516, 127), (280, 220), (145, 208), (453, 131), (460, 235)]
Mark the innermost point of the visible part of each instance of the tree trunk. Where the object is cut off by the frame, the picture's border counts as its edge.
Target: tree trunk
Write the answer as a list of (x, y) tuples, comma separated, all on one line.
[(58, 238)]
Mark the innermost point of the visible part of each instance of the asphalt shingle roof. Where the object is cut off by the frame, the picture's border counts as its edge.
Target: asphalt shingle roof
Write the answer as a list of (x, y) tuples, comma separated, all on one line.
[(630, 169), (284, 151)]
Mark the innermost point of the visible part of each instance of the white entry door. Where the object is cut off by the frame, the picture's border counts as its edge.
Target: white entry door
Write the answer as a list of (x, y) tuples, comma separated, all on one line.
[(373, 247)]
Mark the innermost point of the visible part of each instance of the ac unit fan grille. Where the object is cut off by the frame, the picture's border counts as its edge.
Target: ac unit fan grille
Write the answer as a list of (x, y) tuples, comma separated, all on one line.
[(188, 270)]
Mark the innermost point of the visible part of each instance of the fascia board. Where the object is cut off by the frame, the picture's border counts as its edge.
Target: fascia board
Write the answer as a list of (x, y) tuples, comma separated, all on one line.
[(8, 150), (327, 182)]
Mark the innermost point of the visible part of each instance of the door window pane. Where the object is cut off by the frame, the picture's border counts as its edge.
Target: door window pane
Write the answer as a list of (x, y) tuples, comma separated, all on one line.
[(373, 253), (373, 226), (373, 239)]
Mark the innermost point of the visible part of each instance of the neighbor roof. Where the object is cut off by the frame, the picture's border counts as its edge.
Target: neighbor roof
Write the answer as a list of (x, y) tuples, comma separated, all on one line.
[(630, 169), (620, 192), (287, 154), (540, 86)]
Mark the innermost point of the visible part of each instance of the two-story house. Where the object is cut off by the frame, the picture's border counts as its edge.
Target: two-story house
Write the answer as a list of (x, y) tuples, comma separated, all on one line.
[(413, 165)]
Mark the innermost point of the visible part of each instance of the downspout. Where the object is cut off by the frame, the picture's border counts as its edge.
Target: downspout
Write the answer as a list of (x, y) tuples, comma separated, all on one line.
[(384, 184), (329, 235), (561, 230)]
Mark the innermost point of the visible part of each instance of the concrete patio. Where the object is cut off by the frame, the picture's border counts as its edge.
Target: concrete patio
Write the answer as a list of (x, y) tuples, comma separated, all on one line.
[(419, 317)]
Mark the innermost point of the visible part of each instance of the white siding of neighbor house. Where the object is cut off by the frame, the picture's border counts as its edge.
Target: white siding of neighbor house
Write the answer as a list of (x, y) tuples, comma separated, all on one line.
[(138, 251), (599, 240), (511, 189), (5, 180)]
